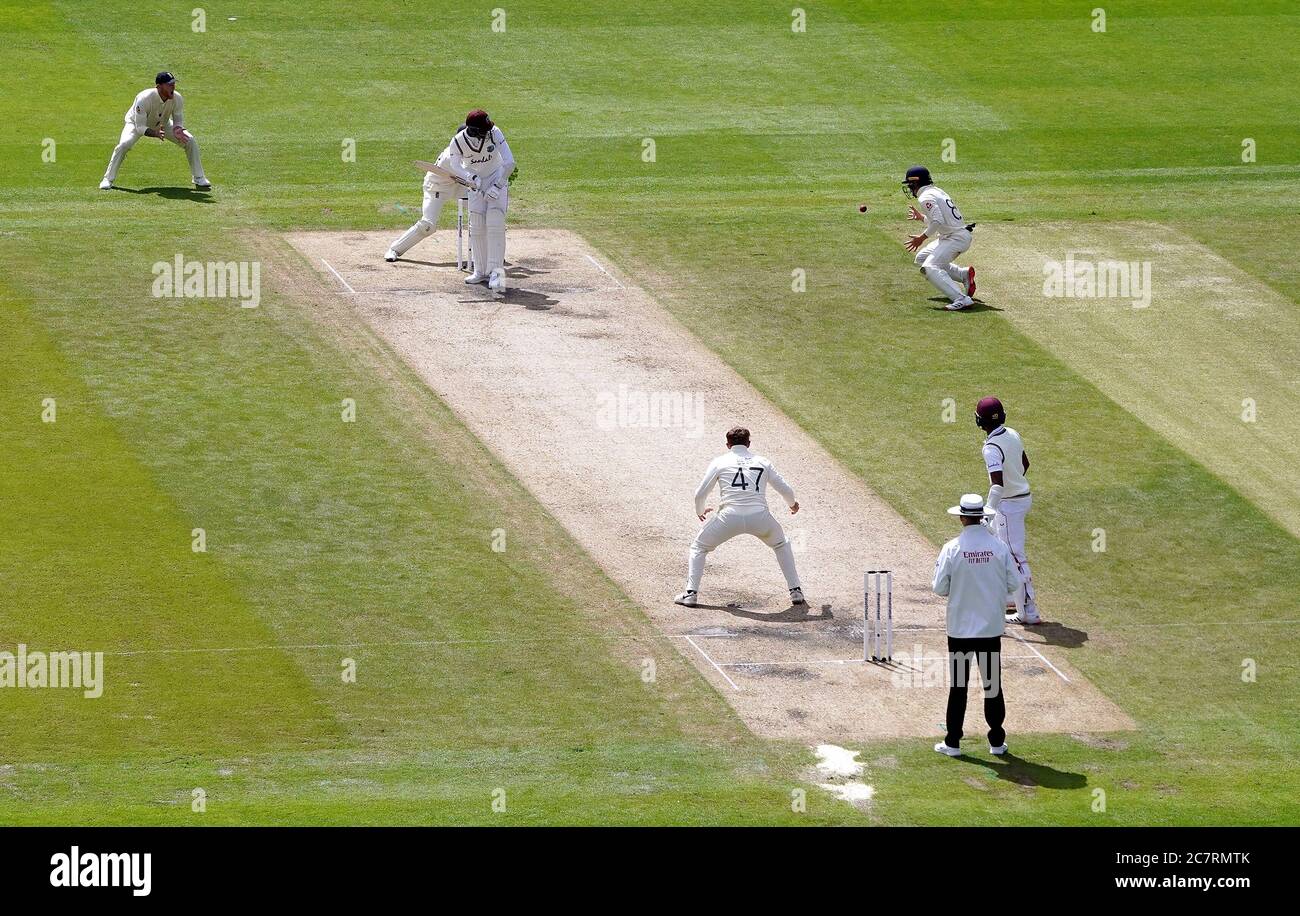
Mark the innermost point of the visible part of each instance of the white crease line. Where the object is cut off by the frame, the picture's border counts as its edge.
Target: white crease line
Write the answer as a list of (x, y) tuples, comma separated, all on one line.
[(397, 644), (1201, 623), (338, 276), (603, 270), (280, 647), (795, 663), (1031, 648), (713, 663)]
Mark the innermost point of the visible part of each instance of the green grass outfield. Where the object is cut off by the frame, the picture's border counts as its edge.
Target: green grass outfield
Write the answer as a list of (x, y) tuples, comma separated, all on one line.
[(522, 670)]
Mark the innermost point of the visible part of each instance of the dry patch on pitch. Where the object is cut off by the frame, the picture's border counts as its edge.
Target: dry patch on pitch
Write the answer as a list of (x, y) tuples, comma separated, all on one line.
[(1208, 359), (608, 411)]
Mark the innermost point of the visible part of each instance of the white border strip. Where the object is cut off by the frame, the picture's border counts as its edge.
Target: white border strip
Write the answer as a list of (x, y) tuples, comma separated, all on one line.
[(1024, 642), (715, 665), (338, 276), (603, 270)]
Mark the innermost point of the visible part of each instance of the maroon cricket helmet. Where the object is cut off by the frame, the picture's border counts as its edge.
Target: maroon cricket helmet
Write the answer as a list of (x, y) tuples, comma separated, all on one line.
[(989, 414), (477, 123)]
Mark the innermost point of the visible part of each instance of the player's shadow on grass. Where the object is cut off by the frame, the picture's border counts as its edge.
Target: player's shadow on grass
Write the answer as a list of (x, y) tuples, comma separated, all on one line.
[(1057, 634), (172, 193), (1022, 772), (979, 306)]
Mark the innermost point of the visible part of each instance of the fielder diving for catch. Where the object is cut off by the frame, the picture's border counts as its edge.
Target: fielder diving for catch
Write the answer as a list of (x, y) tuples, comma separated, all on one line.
[(157, 112), (477, 158), (948, 235), (742, 478)]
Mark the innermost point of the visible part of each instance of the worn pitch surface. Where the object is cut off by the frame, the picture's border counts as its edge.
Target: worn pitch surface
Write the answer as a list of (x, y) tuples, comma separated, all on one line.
[(608, 411)]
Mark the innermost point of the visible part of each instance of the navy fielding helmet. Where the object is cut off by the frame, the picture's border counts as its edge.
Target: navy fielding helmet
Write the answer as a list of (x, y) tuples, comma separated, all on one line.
[(918, 176), (989, 414)]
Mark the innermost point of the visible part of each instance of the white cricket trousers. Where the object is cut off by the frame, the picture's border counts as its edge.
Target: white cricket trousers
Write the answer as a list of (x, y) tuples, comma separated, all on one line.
[(731, 522), (1010, 527), (436, 193), (936, 261), (129, 139), (487, 231)]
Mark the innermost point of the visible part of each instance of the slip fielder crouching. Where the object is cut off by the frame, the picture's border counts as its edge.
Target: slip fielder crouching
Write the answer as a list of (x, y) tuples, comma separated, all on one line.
[(741, 478), (158, 113)]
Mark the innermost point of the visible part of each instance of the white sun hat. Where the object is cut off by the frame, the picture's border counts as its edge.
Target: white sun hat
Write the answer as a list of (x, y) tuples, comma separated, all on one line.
[(971, 505)]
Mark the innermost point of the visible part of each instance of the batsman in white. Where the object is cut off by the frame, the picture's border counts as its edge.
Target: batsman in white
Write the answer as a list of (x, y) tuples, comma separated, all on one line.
[(1008, 463), (157, 112), (742, 478), (946, 235), (479, 154), (438, 189)]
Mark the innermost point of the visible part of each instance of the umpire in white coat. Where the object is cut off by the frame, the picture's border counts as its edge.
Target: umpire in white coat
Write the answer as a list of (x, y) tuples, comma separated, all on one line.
[(975, 572)]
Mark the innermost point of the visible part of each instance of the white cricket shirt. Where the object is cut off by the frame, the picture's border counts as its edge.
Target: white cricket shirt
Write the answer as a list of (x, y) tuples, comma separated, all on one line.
[(1004, 451), (742, 478), (942, 218), (149, 110), (489, 158)]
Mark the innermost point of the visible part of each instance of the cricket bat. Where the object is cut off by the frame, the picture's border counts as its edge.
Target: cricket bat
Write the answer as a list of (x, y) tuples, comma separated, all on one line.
[(439, 170)]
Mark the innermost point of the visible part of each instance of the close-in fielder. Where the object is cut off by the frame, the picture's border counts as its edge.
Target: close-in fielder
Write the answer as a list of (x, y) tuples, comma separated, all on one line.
[(1008, 463), (438, 189), (742, 478), (157, 112), (479, 154), (946, 235)]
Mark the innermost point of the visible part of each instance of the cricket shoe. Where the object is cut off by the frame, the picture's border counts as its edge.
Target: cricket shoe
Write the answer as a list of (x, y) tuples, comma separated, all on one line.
[(963, 302), (1028, 620), (796, 596), (998, 751), (476, 277), (943, 748), (970, 281), (105, 185), (686, 599), (202, 184), (390, 255), (497, 281)]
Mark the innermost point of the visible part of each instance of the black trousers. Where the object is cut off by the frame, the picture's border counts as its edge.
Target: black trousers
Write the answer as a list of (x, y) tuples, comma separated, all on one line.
[(987, 654)]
